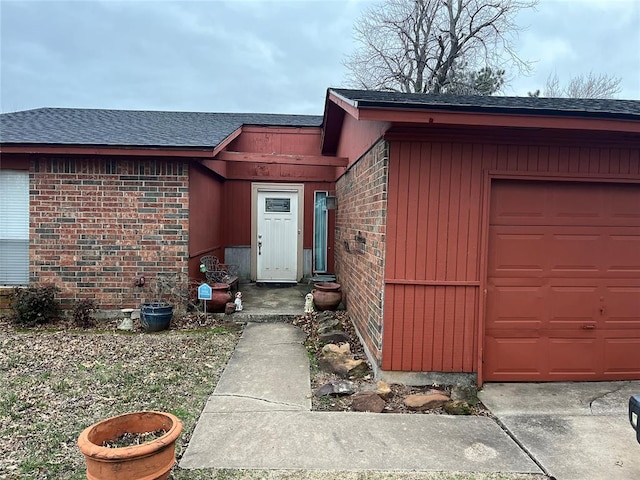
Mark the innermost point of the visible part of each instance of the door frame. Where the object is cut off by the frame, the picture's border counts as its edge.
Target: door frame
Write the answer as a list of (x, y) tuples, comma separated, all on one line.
[(276, 187)]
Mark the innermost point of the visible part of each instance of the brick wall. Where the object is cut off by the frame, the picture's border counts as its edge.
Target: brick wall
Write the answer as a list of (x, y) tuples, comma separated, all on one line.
[(361, 219), (98, 223)]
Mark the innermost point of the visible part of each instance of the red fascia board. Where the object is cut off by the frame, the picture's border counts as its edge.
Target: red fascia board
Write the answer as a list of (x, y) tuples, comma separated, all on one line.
[(333, 121), (92, 150), (524, 120), (347, 105), (282, 159), (230, 138)]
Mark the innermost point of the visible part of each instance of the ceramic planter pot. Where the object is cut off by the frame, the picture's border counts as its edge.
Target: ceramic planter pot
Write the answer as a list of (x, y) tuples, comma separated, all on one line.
[(149, 461), (328, 286), (220, 296), (327, 295), (155, 317)]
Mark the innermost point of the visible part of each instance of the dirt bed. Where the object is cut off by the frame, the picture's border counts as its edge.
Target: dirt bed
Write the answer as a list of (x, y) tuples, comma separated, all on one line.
[(395, 404)]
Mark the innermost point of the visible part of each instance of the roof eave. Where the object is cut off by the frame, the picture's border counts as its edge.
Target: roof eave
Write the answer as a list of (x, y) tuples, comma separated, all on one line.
[(332, 122), (370, 104), (117, 150), (524, 118)]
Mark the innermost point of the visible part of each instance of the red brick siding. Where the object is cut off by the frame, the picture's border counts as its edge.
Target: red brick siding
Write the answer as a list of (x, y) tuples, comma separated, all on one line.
[(98, 223), (362, 210)]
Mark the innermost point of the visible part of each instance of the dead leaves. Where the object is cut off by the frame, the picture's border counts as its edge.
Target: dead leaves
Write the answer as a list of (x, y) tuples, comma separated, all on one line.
[(54, 384)]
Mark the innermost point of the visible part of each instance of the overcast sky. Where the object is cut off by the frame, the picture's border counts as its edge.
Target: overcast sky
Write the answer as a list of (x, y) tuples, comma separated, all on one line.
[(256, 56)]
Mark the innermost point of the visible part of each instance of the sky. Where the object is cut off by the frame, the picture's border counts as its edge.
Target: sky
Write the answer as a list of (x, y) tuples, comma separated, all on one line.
[(261, 56)]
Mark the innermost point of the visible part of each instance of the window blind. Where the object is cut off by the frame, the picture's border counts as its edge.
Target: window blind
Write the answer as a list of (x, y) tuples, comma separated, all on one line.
[(14, 227)]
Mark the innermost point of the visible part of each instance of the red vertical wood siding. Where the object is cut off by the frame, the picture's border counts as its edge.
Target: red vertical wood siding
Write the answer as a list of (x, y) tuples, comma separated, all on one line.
[(205, 205), (432, 272), (237, 201)]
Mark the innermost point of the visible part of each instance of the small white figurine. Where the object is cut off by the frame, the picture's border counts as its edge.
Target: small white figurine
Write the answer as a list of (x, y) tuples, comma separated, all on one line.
[(238, 301), (308, 303)]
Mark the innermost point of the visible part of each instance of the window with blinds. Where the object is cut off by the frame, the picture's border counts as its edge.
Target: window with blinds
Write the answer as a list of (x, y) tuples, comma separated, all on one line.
[(14, 227)]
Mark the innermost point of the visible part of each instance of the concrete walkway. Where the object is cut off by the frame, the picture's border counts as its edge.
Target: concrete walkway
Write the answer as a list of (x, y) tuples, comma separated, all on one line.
[(259, 418)]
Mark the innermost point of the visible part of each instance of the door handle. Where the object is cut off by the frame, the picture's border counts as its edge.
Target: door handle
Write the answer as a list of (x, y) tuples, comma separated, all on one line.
[(259, 248), (588, 327)]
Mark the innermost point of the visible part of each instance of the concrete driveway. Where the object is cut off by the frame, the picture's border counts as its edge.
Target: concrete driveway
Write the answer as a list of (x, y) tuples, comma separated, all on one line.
[(572, 430)]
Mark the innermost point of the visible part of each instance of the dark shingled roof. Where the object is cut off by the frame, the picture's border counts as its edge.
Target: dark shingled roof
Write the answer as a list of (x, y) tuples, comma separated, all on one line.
[(73, 126), (582, 107)]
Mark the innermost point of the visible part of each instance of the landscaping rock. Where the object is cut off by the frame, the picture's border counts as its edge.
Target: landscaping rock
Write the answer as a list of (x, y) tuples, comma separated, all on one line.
[(344, 366), (329, 325), (338, 359), (384, 390), (334, 336), (336, 388), (325, 316), (367, 402), (426, 402), (465, 393), (458, 407), (344, 349), (357, 368)]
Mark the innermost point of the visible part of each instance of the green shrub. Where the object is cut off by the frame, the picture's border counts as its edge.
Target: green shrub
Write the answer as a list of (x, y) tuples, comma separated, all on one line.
[(35, 305), (83, 312)]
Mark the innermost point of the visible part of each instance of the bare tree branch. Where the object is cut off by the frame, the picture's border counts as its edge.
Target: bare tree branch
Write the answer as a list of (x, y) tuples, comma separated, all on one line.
[(583, 86), (424, 45), (552, 87)]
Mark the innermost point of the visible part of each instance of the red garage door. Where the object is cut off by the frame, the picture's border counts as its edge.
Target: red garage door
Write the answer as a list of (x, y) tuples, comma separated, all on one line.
[(563, 289)]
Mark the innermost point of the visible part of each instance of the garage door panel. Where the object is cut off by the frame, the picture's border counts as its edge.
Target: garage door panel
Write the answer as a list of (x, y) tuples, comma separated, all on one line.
[(623, 204), (563, 251), (572, 355), (564, 203), (571, 305), (622, 254), (618, 351), (515, 307), (509, 206), (509, 257), (622, 306), (563, 282), (576, 253), (523, 356), (573, 204)]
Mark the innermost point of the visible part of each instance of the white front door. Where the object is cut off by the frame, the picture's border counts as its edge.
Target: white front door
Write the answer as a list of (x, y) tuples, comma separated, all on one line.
[(277, 236)]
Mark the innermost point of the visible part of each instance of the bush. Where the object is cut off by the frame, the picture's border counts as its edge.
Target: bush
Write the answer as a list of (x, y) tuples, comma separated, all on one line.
[(82, 312), (35, 305)]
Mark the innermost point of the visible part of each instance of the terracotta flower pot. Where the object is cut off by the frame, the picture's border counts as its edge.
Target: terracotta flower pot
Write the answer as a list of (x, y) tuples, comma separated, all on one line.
[(327, 296), (328, 286), (149, 461), (220, 296)]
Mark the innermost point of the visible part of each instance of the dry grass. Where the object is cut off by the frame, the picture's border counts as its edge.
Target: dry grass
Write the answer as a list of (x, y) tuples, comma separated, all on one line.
[(53, 384)]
